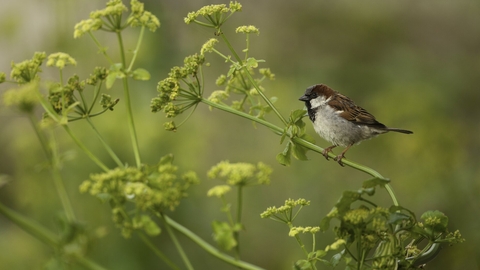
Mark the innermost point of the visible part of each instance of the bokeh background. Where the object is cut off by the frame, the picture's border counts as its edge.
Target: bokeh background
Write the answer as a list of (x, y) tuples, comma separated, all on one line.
[(413, 64)]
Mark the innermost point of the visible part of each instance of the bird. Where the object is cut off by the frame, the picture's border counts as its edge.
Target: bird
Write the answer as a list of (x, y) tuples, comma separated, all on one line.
[(337, 119)]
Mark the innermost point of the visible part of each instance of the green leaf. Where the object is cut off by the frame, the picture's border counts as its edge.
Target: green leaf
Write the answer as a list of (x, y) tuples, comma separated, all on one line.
[(335, 260), (111, 77), (115, 72), (167, 159), (375, 182), (397, 208), (251, 63), (308, 138), (284, 157), (397, 217), (297, 115), (150, 227), (104, 197), (299, 152), (141, 74), (223, 235), (435, 220), (348, 197)]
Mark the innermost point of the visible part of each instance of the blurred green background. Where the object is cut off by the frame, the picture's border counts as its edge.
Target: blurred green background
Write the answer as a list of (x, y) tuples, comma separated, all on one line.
[(413, 64)]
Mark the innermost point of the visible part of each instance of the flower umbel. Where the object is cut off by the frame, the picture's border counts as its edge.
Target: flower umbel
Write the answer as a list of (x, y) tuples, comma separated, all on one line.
[(174, 98), (140, 17), (24, 98), (60, 60), (285, 213), (27, 70), (215, 15), (153, 188), (241, 174)]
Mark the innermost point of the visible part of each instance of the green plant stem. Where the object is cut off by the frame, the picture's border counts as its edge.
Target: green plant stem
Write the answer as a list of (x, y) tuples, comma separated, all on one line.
[(43, 234), (104, 143), (31, 226), (128, 105), (135, 52), (131, 124), (299, 241), (61, 191), (40, 136), (254, 83), (177, 244), (103, 50), (209, 248), (51, 153), (236, 234), (158, 252), (85, 149), (89, 264)]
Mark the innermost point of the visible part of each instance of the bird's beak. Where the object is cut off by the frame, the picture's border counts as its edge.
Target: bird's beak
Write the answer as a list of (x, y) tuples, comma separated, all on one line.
[(304, 98)]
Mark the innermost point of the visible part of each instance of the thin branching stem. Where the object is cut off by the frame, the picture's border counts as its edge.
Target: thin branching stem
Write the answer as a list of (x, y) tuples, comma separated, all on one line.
[(209, 248), (179, 248), (128, 105), (157, 252)]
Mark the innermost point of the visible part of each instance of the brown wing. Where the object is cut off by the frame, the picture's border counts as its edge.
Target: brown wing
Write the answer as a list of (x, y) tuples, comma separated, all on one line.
[(354, 113)]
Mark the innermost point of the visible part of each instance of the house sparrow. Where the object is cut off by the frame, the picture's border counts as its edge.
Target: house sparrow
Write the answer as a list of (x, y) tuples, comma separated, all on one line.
[(338, 120)]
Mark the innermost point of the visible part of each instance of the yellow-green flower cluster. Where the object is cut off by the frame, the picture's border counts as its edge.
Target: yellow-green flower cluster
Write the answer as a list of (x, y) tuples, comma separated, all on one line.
[(247, 29), (85, 26), (140, 17), (113, 8), (172, 98), (27, 70), (61, 97), (107, 102), (434, 220), (99, 74), (221, 80), (241, 174), (60, 60), (150, 188), (24, 98), (336, 245), (296, 230), (218, 191), (284, 209), (267, 73), (357, 216), (218, 96), (208, 46), (214, 13), (170, 126)]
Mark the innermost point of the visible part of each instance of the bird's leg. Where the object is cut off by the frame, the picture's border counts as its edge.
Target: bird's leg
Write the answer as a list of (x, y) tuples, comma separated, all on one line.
[(342, 155), (327, 150)]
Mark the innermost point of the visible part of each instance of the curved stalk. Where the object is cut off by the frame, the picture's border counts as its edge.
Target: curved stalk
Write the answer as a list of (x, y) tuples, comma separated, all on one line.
[(31, 226), (128, 105), (135, 52), (53, 160), (104, 143), (209, 248), (158, 252), (177, 244), (85, 149)]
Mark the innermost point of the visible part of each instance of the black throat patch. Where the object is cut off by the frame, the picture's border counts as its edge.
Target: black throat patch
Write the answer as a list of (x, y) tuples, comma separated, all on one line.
[(310, 110)]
